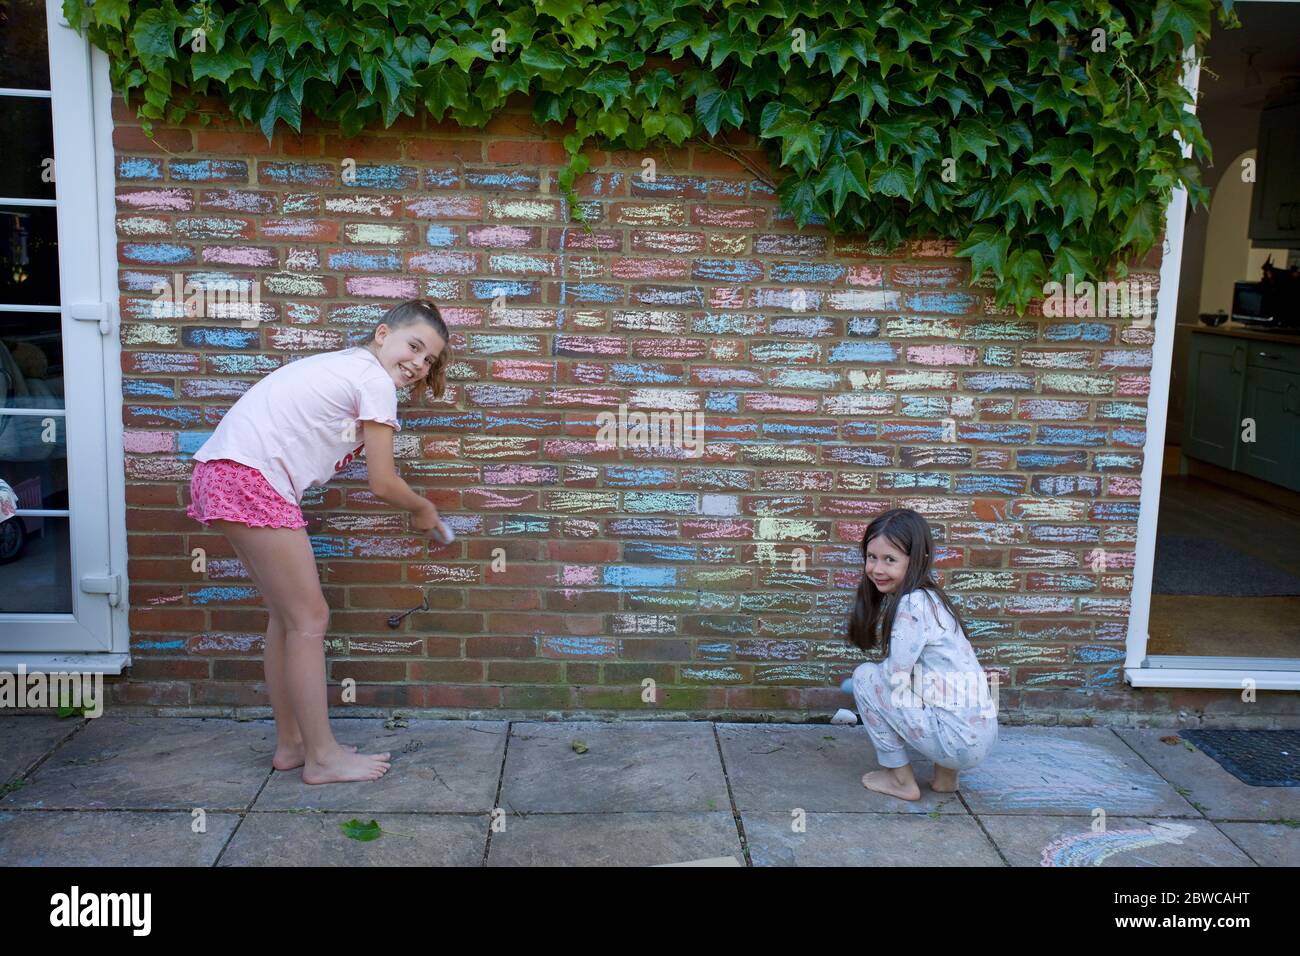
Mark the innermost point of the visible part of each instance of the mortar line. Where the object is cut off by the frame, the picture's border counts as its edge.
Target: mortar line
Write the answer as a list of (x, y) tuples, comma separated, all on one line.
[(731, 796)]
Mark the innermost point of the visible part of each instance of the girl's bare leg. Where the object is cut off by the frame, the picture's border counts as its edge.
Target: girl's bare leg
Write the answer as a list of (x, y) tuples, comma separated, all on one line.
[(945, 780), (282, 565)]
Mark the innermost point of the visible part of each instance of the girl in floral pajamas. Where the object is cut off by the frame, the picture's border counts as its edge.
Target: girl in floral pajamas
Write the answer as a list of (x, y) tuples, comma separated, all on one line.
[(929, 692)]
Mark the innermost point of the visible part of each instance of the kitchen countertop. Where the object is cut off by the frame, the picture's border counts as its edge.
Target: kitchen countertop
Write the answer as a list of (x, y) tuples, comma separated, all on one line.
[(1238, 331)]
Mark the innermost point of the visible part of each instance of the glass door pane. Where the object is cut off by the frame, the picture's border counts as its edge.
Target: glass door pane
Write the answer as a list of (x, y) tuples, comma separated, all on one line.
[(35, 543)]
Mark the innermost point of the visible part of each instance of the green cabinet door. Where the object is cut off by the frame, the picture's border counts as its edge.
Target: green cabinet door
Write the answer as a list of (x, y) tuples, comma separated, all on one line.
[(1215, 379), (1269, 455)]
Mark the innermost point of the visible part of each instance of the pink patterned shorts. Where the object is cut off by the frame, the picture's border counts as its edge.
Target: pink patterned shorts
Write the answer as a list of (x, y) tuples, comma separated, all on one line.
[(226, 490)]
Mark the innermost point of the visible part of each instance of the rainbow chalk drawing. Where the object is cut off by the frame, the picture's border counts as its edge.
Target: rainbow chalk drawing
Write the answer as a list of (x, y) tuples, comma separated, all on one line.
[(1093, 849)]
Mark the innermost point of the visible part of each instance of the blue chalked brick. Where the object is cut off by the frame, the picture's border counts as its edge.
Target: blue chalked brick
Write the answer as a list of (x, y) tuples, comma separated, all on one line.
[(1130, 436), (863, 352), (999, 382), (812, 326), (594, 292), (171, 413), (579, 646), (456, 421), (998, 434), (158, 645), (643, 527), (804, 378), (510, 288), (665, 295), (221, 337), (516, 180), (290, 174), (1104, 678), (639, 576), (135, 388), (672, 185), (779, 352), (1045, 460), (386, 176), (714, 651), (646, 502), (795, 272), (1076, 332), (440, 237), (727, 270), (188, 442), (207, 170), (138, 167), (717, 479), (631, 476), (923, 406), (863, 326), (486, 344), (945, 303), (1098, 654), (989, 484), (913, 480), (643, 552), (1123, 411), (733, 430), (441, 178), (383, 261), (494, 421), (218, 594), (642, 373), (163, 253), (1068, 435), (860, 429), (861, 455), (722, 401), (365, 315), (798, 430), (722, 323), (242, 364), (1115, 511)]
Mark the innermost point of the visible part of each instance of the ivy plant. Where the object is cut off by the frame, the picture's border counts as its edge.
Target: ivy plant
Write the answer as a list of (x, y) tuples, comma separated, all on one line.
[(1045, 136)]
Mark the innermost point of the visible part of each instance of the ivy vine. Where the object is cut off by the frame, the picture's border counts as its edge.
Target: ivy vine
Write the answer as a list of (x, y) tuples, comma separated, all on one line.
[(1045, 136)]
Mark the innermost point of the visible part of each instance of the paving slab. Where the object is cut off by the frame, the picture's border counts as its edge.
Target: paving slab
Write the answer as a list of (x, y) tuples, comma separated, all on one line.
[(153, 763), (614, 839), (438, 766), (1125, 841), (1206, 785), (1268, 844), (110, 838), (314, 839), (783, 767), (26, 739), (628, 766), (867, 839), (1047, 771)]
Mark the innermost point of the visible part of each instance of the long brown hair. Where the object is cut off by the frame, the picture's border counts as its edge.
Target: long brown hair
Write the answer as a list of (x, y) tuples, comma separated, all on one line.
[(872, 619), (420, 310)]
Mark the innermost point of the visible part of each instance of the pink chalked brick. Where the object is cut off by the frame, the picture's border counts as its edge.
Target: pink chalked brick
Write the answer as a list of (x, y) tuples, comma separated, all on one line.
[(381, 287), (142, 443)]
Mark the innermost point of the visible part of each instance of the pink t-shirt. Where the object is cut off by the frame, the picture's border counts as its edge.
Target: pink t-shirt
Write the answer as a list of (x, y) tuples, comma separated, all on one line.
[(302, 423)]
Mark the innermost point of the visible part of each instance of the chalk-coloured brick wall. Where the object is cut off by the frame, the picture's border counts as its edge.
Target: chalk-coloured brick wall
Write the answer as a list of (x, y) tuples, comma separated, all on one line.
[(835, 382)]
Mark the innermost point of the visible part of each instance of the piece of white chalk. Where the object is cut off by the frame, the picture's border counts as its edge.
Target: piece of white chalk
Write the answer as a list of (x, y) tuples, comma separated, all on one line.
[(843, 716), (451, 536), (846, 685)]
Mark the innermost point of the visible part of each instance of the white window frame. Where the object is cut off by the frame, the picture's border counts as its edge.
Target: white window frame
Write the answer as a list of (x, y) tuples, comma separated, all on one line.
[(95, 636)]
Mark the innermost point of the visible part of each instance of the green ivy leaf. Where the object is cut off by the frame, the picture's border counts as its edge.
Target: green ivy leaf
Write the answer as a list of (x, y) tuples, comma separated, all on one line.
[(153, 37)]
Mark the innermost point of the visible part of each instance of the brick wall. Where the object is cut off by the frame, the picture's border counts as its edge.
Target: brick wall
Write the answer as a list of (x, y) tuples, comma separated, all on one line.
[(619, 564)]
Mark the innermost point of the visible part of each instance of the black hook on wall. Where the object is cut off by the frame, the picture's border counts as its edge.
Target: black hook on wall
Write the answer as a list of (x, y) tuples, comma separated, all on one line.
[(396, 620)]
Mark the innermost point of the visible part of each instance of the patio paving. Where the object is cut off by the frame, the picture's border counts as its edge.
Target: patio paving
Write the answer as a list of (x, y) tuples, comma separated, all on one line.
[(201, 792)]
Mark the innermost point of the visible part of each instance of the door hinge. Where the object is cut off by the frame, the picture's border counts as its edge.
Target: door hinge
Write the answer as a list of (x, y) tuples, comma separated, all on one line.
[(91, 312), (109, 584)]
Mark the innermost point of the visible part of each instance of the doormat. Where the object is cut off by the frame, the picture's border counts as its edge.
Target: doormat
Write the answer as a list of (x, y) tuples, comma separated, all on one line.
[(1260, 758), (1187, 565)]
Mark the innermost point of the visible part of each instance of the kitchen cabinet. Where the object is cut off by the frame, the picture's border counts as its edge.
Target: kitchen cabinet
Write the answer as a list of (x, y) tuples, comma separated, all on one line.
[(1232, 379), (1275, 202)]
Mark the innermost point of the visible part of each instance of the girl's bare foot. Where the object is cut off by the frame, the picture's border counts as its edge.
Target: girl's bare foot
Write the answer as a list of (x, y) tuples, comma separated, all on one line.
[(340, 766), (884, 781), (945, 780), (292, 756)]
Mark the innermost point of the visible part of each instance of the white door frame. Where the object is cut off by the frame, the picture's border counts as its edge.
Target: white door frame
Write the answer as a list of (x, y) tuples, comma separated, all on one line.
[(94, 636), (1140, 669)]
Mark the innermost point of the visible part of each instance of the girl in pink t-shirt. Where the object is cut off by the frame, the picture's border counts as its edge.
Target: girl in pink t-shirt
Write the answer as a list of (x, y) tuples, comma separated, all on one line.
[(291, 431)]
